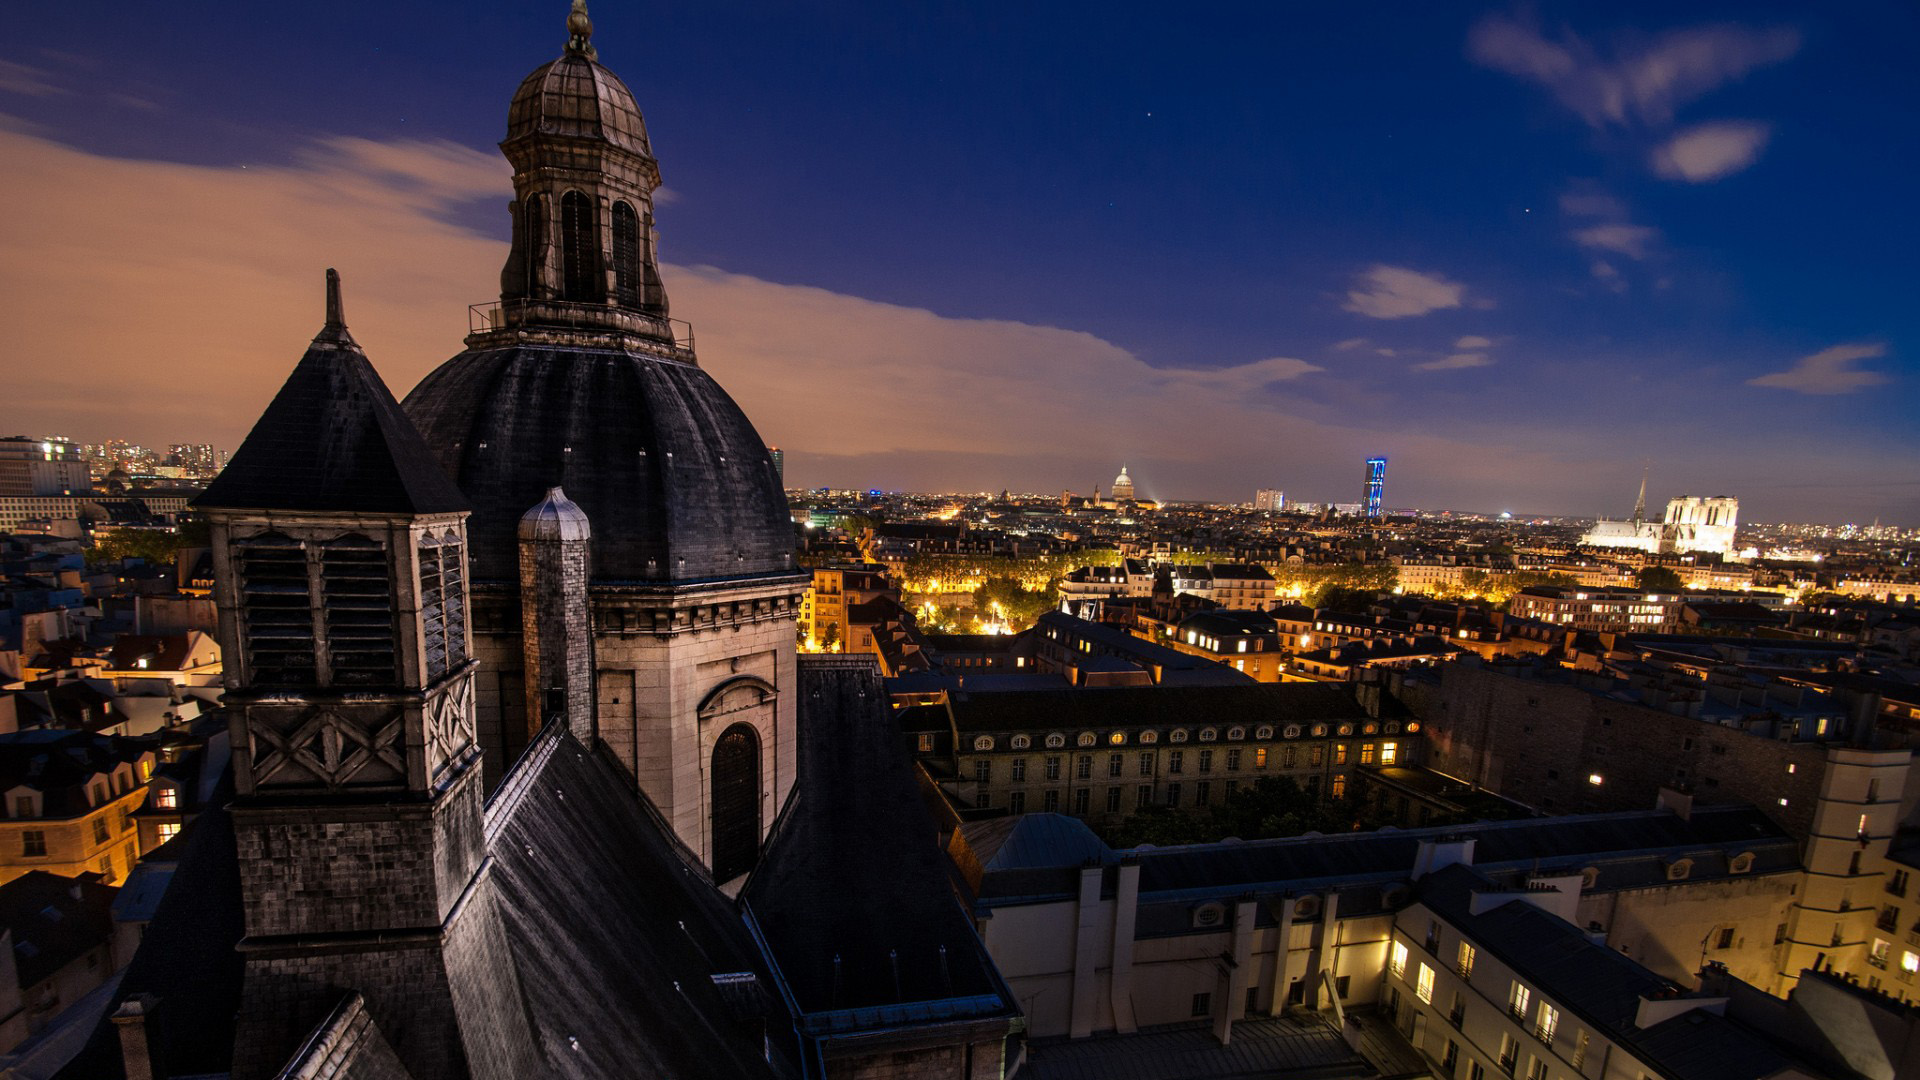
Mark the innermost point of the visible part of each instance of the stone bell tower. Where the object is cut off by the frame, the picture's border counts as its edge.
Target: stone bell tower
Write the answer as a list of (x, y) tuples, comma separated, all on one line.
[(339, 551)]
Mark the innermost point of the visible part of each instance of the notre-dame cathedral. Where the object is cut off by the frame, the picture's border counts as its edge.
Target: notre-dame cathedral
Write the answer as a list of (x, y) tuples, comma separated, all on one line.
[(527, 779)]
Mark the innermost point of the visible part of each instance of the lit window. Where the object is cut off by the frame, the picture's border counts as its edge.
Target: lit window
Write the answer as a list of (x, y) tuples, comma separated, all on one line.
[(1389, 752), (1424, 987), (1595, 779), (1466, 960), (1783, 802), (1399, 964), (1549, 1023), (1910, 962), (1518, 1000), (167, 830)]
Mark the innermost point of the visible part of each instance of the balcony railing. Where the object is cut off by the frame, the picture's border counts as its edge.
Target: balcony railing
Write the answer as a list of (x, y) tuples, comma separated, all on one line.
[(500, 315)]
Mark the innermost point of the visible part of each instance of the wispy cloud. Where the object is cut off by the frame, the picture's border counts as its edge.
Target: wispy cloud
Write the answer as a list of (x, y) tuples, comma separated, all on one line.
[(1350, 344), (1640, 82), (1829, 371), (1395, 292), (1708, 152), (1621, 238), (119, 250), (1473, 341), (27, 80), (1455, 362), (1587, 202)]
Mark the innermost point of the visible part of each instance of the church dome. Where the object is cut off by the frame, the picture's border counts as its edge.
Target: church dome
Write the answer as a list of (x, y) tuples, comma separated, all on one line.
[(675, 481), (575, 96)]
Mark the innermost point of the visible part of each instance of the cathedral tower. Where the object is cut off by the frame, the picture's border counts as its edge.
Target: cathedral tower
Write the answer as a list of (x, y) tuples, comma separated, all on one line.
[(578, 379), (340, 577)]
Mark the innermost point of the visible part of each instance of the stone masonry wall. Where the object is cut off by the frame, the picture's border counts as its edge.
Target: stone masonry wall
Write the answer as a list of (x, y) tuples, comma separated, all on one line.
[(1540, 742)]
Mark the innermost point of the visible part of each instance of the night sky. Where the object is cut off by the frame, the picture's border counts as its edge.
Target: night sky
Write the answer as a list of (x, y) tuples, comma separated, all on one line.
[(1521, 251)]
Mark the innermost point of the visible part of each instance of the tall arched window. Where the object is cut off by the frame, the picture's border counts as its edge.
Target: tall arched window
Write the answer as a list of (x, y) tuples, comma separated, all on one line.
[(736, 802), (536, 240), (581, 279), (626, 255)]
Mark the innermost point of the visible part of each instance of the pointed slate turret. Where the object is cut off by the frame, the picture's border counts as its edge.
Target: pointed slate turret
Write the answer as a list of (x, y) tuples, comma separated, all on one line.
[(334, 438)]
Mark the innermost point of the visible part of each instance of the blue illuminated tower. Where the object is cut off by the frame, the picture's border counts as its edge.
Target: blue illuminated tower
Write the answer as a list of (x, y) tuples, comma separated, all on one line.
[(1376, 485)]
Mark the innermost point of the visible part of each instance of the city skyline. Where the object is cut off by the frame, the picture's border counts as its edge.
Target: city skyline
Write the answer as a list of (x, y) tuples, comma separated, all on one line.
[(1516, 283)]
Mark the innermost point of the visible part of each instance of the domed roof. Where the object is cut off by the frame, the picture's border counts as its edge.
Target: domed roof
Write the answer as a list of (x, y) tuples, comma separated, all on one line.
[(555, 518), (675, 481), (574, 96)]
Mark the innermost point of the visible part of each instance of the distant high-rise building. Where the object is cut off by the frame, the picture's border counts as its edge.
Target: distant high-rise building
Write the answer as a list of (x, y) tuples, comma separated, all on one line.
[(50, 466), (1266, 499), (1376, 486), (1122, 486), (779, 457)]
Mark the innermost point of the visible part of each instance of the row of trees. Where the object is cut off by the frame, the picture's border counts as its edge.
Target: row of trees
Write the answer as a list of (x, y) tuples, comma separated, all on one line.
[(157, 546), (1273, 806)]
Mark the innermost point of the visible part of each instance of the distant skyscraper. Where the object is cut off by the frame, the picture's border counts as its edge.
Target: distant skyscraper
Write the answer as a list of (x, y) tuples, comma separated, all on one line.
[(1376, 486), (779, 463), (1122, 486), (1266, 499)]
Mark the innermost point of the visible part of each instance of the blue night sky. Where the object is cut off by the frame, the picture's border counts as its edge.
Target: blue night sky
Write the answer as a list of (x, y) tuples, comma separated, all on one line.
[(1522, 251)]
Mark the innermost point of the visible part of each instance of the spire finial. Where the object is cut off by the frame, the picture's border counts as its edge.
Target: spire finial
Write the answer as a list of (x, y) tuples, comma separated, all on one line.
[(336, 316), (580, 32)]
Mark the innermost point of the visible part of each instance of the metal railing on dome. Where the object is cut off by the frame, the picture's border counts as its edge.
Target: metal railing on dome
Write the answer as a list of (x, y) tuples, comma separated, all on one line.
[(492, 316)]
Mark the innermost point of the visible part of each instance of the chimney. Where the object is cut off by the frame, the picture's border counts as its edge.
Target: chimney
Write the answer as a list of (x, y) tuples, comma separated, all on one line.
[(137, 1040)]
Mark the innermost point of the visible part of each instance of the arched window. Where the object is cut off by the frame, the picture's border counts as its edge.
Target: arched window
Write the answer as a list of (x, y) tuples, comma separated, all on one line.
[(581, 279), (626, 255), (736, 802), (536, 240)]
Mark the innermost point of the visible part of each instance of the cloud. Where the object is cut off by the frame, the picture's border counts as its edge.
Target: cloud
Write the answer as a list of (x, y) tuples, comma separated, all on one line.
[(159, 300), (1587, 203), (1350, 344), (30, 81), (1708, 152), (1472, 341), (1394, 292), (1455, 362), (1829, 371), (1644, 81), (1621, 238)]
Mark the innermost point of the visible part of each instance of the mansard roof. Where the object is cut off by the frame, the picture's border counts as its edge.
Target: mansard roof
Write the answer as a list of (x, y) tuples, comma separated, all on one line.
[(334, 439)]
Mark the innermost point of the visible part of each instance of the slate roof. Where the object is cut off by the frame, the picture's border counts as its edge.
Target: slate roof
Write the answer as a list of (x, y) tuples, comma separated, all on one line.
[(1153, 706), (187, 958), (55, 920), (672, 476), (333, 438), (1601, 985), (59, 764), (615, 938), (856, 810), (1629, 849)]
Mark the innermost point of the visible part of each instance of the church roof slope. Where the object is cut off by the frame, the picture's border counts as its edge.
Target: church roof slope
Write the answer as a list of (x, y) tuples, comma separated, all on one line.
[(857, 829), (334, 438), (630, 962)]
